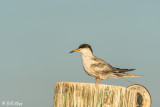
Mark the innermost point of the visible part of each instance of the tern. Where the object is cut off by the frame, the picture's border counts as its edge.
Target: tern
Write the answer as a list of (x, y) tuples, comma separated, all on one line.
[(98, 68)]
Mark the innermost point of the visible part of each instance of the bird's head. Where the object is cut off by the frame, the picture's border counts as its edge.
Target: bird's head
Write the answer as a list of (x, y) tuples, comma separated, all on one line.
[(84, 48)]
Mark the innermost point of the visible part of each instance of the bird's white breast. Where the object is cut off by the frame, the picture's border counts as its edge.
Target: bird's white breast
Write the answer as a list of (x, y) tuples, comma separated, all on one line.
[(87, 61)]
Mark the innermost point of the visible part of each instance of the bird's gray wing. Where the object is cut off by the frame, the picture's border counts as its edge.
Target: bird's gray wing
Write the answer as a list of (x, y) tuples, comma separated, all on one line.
[(99, 66)]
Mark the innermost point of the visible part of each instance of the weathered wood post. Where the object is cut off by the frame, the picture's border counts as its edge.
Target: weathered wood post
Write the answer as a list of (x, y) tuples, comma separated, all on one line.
[(69, 94)]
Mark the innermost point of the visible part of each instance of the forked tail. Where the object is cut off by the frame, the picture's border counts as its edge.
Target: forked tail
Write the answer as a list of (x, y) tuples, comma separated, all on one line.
[(121, 75), (126, 75)]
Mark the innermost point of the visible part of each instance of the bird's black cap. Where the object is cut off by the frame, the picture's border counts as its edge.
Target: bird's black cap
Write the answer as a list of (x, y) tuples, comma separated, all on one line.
[(85, 46), (82, 46)]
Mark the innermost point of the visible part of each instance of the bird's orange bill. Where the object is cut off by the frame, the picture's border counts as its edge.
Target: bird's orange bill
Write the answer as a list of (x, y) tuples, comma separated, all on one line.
[(76, 50)]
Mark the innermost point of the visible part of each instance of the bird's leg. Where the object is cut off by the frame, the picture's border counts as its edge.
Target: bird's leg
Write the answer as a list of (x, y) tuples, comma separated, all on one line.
[(99, 80), (95, 80)]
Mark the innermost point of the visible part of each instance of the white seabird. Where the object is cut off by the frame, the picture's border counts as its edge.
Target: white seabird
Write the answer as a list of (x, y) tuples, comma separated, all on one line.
[(98, 68)]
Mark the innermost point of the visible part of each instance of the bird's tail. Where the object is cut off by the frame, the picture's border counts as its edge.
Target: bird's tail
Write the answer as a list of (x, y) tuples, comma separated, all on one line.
[(126, 75), (123, 70), (128, 80), (121, 75)]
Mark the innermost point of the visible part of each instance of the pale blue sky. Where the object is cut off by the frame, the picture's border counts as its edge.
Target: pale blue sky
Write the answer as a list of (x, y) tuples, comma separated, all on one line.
[(37, 35)]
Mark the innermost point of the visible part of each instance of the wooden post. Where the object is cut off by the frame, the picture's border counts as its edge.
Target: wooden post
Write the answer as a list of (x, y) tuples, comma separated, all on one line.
[(143, 95), (69, 94)]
